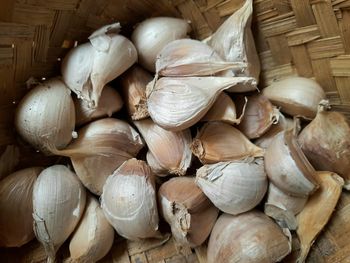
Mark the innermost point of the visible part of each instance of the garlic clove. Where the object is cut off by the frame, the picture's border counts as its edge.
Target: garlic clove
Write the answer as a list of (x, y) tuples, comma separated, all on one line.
[(129, 201), (287, 166), (195, 94), (248, 237), (217, 142), (110, 102), (134, 83), (318, 210), (16, 207), (189, 57), (171, 150), (187, 210), (58, 204), (296, 96), (156, 168), (93, 237), (151, 35), (45, 117), (234, 187), (333, 154)]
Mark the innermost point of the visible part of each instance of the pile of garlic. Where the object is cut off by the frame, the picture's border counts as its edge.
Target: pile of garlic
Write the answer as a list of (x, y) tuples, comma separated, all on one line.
[(182, 102)]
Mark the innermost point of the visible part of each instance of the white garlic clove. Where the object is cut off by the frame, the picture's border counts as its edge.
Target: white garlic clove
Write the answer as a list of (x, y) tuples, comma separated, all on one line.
[(156, 168)]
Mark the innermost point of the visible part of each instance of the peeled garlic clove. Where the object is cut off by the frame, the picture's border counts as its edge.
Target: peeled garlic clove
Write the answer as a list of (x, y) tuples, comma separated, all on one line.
[(134, 83), (110, 102), (258, 117), (318, 210), (87, 68), (189, 57), (171, 150), (187, 210), (93, 237), (287, 166), (266, 139), (16, 207), (250, 237), (45, 117), (333, 154), (129, 201), (217, 142), (58, 203), (195, 94), (296, 96), (234, 41), (151, 35), (234, 187)]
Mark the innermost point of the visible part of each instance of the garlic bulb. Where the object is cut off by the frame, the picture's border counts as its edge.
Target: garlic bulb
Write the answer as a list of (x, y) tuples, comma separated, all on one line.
[(187, 210), (45, 117), (234, 187), (217, 142), (250, 237), (287, 166), (151, 35), (110, 102), (93, 237), (101, 147), (259, 116), (318, 210), (58, 203), (189, 57), (283, 124), (134, 83), (87, 68), (234, 41), (16, 207), (195, 94), (296, 96), (129, 201), (333, 154), (171, 150)]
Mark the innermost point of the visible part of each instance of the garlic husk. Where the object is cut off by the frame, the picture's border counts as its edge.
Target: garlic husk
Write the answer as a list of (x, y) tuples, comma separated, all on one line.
[(296, 96), (287, 166), (234, 187), (234, 42), (196, 95), (224, 109), (16, 207), (318, 210), (110, 102), (101, 147), (129, 201), (87, 68), (249, 237), (45, 117), (93, 237), (134, 83), (187, 210), (326, 142), (189, 57), (151, 35), (283, 124), (218, 142), (258, 117), (9, 159), (170, 149), (58, 204)]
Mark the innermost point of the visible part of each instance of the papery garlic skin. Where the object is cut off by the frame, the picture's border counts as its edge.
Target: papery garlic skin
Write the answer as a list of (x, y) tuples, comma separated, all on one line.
[(151, 35), (58, 204), (93, 237), (129, 201), (234, 187), (45, 117), (16, 207)]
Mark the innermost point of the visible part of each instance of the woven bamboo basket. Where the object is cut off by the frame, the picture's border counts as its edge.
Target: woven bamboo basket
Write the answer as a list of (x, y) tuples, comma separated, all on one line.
[(309, 38)]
